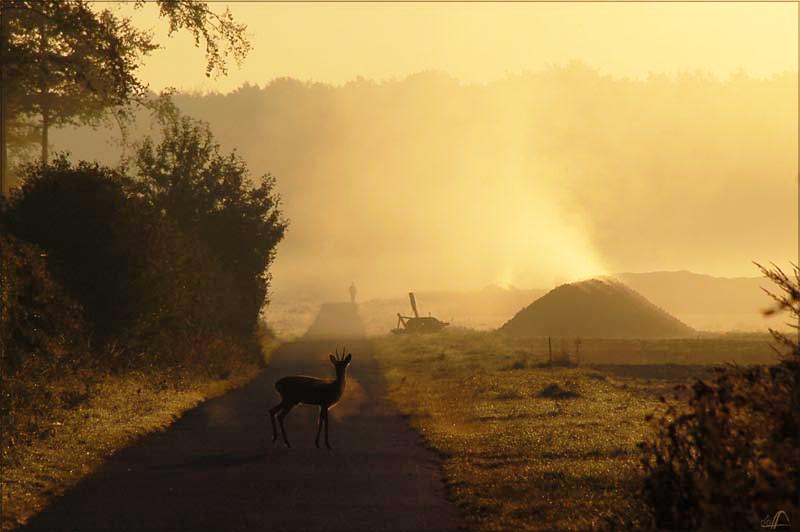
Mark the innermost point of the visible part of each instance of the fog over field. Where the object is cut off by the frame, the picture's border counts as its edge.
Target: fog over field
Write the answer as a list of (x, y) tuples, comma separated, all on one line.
[(538, 260), (429, 183)]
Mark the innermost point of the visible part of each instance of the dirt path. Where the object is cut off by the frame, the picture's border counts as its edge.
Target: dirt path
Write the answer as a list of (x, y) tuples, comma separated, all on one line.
[(216, 468)]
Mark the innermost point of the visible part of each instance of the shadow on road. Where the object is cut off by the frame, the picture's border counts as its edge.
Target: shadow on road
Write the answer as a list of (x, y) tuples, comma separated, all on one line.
[(214, 460), (216, 468)]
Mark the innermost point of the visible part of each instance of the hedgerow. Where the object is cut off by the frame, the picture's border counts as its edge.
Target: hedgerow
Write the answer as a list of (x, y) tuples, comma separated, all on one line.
[(729, 456)]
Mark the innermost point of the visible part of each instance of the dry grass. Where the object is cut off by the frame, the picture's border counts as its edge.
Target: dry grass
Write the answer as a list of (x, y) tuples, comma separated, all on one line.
[(527, 447), (76, 440)]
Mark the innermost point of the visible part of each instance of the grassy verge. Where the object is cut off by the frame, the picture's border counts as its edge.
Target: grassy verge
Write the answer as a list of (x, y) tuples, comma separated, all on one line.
[(528, 447), (76, 438)]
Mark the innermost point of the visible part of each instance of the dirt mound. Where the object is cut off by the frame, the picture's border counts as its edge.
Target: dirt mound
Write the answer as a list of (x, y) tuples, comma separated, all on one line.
[(337, 320), (597, 308)]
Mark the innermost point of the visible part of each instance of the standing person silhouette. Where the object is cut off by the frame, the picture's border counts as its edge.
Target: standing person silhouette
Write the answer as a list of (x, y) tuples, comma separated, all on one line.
[(352, 293)]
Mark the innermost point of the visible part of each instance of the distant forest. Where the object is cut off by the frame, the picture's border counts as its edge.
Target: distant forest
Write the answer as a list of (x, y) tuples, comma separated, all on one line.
[(684, 172)]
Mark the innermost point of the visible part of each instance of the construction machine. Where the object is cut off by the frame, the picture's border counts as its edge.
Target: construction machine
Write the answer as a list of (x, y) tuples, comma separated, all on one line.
[(417, 323)]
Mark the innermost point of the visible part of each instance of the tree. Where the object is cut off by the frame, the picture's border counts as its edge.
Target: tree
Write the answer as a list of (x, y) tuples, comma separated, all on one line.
[(128, 264), (211, 197), (63, 77), (65, 62)]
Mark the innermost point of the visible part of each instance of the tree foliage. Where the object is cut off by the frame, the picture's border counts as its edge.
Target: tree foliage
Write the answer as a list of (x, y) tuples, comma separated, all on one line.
[(39, 323), (70, 61), (70, 58), (96, 276), (185, 245), (137, 276), (221, 35), (95, 236), (211, 197), (42, 337)]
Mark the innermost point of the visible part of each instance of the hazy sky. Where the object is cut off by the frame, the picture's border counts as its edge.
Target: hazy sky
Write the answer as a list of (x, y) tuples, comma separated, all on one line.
[(529, 181), (480, 42)]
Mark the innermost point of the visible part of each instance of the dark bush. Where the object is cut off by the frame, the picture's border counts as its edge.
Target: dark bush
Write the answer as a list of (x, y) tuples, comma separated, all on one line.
[(42, 337), (95, 237), (137, 275), (555, 391), (165, 274), (39, 324), (212, 199), (730, 456)]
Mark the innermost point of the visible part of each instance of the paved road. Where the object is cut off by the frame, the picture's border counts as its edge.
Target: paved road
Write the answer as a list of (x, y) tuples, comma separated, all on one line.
[(216, 468)]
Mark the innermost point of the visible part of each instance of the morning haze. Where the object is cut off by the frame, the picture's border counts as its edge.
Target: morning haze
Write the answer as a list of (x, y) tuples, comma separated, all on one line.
[(435, 184), (531, 265), (456, 146)]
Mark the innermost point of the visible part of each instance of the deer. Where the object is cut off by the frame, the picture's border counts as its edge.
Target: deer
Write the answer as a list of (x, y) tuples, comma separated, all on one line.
[(310, 391)]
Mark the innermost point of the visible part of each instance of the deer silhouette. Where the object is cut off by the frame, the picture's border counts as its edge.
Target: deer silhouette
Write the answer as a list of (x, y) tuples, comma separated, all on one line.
[(310, 391)]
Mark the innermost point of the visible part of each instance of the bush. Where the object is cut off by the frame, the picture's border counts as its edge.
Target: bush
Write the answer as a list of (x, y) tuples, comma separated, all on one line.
[(730, 456), (554, 391), (95, 237), (138, 277), (40, 325), (211, 198), (170, 272), (42, 335)]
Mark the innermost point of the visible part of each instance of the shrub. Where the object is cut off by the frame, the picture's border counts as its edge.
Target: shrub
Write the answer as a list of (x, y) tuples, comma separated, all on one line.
[(730, 455), (212, 199), (138, 277), (93, 234), (42, 336), (40, 325), (519, 364), (555, 391), (170, 272)]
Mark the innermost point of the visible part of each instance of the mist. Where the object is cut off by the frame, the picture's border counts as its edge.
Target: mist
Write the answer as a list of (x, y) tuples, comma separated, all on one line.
[(428, 183)]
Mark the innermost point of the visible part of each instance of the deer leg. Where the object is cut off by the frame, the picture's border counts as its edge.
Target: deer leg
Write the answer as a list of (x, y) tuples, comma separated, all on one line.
[(319, 425), (328, 445), (274, 410), (286, 409)]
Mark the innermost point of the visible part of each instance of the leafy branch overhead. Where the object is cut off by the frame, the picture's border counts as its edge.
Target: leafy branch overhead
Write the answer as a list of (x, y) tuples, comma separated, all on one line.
[(71, 62), (222, 35)]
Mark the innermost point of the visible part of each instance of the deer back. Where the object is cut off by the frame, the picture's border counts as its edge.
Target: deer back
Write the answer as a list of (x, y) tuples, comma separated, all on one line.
[(309, 390)]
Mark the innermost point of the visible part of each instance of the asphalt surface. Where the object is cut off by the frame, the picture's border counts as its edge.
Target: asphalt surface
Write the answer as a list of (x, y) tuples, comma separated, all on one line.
[(217, 469)]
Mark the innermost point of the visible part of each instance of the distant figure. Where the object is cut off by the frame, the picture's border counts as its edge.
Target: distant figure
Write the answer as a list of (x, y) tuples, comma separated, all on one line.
[(352, 293)]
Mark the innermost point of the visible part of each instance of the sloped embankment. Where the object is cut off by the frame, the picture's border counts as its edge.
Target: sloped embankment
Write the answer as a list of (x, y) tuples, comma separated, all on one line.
[(596, 308)]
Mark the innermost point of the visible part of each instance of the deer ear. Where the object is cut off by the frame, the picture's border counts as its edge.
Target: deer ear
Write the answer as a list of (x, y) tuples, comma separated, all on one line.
[(348, 358), (333, 360)]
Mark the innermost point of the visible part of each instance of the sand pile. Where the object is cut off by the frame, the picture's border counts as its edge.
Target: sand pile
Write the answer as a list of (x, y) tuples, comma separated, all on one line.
[(597, 308)]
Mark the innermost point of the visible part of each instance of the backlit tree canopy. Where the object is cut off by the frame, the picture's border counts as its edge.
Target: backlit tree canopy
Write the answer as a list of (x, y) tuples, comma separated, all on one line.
[(71, 62)]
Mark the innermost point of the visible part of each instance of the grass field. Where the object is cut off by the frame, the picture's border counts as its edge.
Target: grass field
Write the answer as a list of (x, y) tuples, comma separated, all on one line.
[(74, 439), (529, 446)]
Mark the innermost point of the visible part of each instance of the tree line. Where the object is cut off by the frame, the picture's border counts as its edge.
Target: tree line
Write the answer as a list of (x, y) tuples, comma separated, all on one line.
[(160, 264), (71, 62)]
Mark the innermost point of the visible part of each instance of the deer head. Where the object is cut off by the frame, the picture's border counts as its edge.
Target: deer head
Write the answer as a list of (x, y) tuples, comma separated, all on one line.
[(340, 363)]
